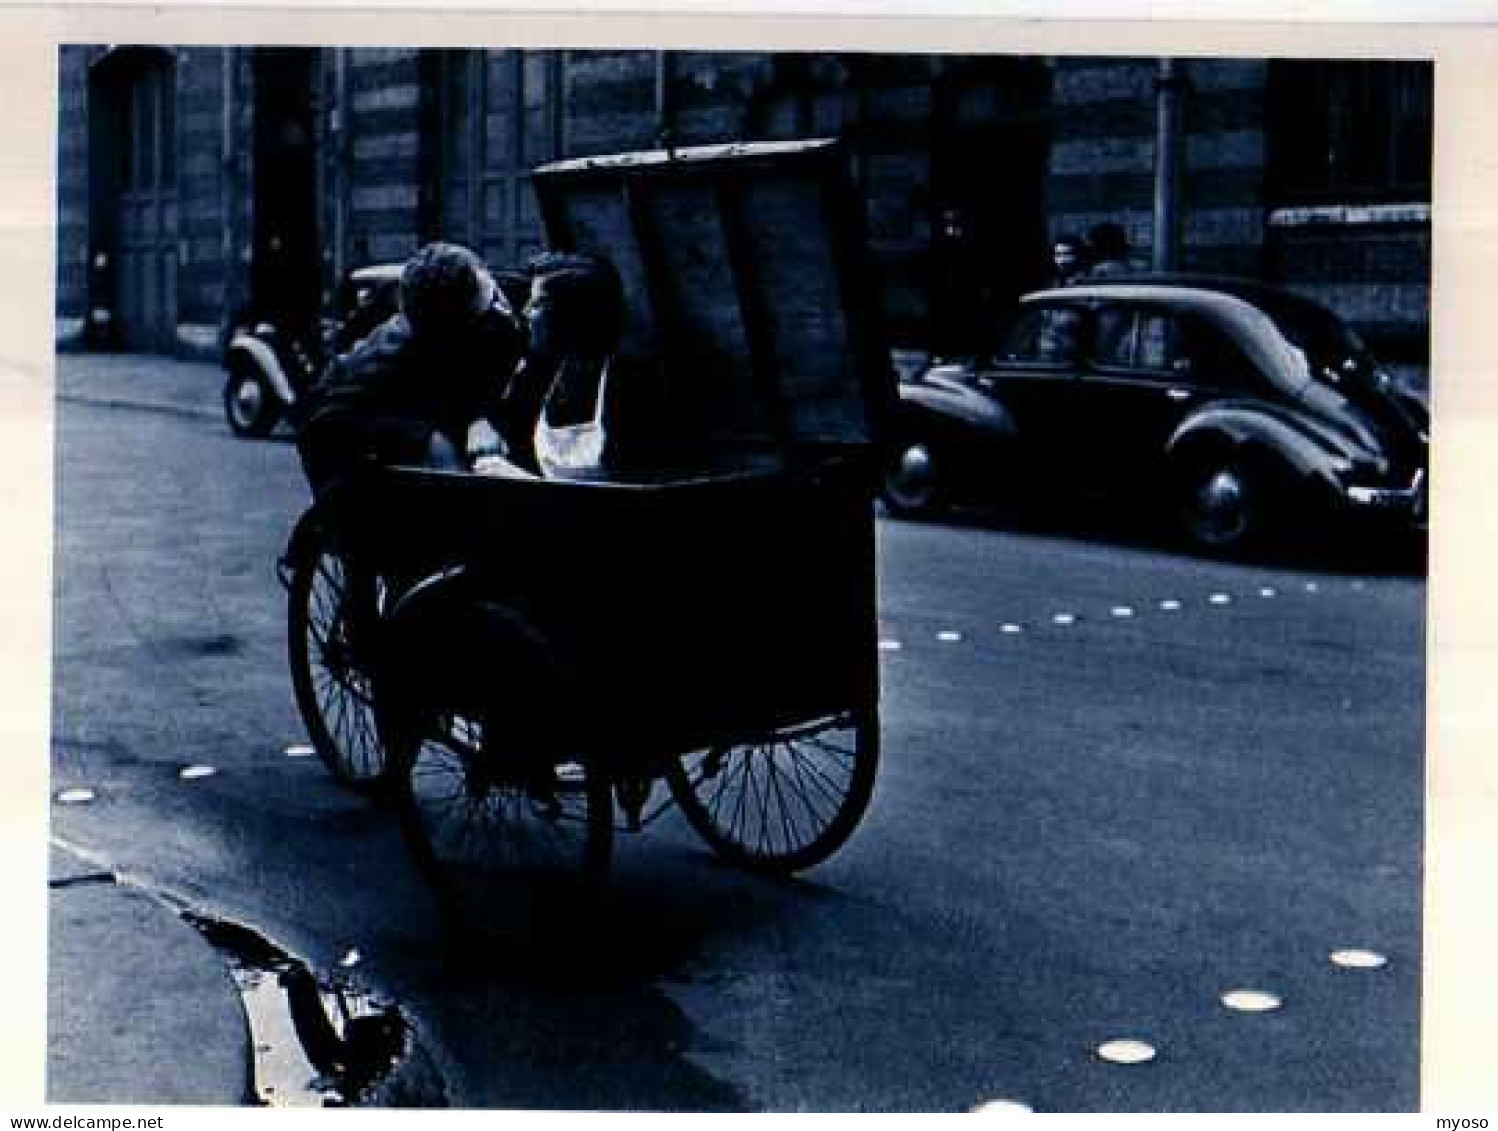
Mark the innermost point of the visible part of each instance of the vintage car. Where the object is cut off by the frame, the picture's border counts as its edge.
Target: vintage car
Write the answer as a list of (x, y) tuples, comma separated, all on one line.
[(1238, 409), (267, 369)]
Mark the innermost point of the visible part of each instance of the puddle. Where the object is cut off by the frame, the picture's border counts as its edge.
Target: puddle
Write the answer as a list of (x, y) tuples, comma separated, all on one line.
[(319, 1041)]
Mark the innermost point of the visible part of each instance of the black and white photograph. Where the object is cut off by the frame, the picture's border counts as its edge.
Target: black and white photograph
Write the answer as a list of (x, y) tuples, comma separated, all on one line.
[(739, 580)]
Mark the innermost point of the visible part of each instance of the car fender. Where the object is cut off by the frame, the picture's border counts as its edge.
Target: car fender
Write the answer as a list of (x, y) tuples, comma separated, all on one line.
[(260, 354), (954, 403), (1304, 451)]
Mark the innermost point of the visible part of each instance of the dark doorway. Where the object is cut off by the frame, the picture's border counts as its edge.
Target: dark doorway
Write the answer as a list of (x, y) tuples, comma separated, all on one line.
[(989, 147), (286, 269), (133, 200)]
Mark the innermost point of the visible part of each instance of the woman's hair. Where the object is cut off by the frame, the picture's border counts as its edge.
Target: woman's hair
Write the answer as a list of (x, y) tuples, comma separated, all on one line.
[(584, 296)]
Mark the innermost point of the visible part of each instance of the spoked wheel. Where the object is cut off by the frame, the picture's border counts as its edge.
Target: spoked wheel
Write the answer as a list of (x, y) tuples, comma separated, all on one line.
[(786, 803), (494, 831), (333, 611)]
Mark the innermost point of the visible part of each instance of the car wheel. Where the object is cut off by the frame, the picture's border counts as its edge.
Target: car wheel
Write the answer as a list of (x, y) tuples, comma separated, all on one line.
[(250, 404), (1218, 502), (912, 479)]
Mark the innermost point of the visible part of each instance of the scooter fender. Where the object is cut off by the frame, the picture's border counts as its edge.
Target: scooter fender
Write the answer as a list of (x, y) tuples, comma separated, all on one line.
[(263, 357)]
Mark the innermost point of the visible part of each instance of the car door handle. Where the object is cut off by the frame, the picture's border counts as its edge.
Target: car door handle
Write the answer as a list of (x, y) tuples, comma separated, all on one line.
[(1176, 393)]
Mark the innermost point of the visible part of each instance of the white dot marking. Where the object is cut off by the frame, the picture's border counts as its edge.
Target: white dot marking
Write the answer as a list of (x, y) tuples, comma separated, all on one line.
[(1251, 1001), (1122, 611), (77, 796), (1267, 591), (300, 750), (1010, 629), (1220, 599), (1356, 959), (192, 773), (1312, 587), (1171, 606), (1126, 1052), (949, 637), (889, 645), (1002, 1107), (1064, 618)]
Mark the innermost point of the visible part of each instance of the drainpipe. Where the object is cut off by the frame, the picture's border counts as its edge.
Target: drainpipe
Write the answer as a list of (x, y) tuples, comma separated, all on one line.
[(229, 263), (664, 111), (1170, 95)]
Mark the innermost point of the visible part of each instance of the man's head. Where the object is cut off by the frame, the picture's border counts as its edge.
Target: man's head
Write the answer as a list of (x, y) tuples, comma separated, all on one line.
[(1067, 255), (1108, 240), (443, 288)]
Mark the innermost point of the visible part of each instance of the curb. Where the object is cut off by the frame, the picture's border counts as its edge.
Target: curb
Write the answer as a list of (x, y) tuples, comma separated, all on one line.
[(140, 1008)]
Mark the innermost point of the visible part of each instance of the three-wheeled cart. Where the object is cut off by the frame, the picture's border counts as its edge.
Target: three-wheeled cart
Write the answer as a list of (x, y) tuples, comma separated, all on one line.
[(521, 661)]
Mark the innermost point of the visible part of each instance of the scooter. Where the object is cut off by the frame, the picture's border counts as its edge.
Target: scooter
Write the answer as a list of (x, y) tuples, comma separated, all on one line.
[(268, 370)]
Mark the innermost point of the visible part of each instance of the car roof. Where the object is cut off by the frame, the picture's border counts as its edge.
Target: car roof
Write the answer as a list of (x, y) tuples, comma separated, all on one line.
[(1237, 305)]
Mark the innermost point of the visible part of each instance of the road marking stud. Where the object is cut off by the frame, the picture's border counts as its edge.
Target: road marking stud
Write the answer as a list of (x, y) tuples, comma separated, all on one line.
[(1170, 606), (192, 773), (1220, 599), (1011, 629), (1251, 1001), (1358, 959), (79, 795), (889, 645), (947, 636), (1122, 611), (1126, 1052), (300, 750), (1002, 1107), (1064, 618)]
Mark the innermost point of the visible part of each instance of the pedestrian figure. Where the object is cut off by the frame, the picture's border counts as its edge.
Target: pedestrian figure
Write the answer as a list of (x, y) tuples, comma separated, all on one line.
[(1108, 247), (1069, 260)]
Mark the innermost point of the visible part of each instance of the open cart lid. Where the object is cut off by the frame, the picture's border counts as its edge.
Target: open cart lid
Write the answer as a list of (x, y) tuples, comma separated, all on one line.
[(744, 271)]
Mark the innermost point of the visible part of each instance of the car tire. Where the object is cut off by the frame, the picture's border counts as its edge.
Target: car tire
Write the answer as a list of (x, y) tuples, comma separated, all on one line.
[(1218, 500), (912, 482), (250, 404)]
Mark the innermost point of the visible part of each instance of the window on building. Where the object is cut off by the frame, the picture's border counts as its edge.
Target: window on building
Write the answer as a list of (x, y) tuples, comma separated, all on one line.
[(499, 115), (1350, 131)]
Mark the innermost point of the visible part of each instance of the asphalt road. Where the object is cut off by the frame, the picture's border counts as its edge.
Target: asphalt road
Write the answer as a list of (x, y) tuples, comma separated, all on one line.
[(1086, 829)]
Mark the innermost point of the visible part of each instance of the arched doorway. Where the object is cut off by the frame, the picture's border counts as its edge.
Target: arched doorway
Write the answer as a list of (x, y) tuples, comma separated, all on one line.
[(133, 199)]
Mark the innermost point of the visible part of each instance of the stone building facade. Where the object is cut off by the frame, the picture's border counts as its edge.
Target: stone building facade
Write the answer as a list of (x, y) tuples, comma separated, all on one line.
[(197, 183)]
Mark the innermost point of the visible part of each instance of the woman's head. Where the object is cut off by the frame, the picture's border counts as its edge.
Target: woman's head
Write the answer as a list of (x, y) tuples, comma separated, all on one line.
[(576, 304)]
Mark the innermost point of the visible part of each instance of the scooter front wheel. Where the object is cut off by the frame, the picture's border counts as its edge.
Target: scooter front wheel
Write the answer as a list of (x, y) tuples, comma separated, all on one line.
[(251, 406)]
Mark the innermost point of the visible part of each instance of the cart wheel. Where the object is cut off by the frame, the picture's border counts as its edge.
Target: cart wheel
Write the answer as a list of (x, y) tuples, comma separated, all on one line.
[(785, 804), (481, 824), (333, 690)]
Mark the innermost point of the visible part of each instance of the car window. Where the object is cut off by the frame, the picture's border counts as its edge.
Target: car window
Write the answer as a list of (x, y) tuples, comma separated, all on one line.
[(1047, 335), (1132, 338), (1114, 336)]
